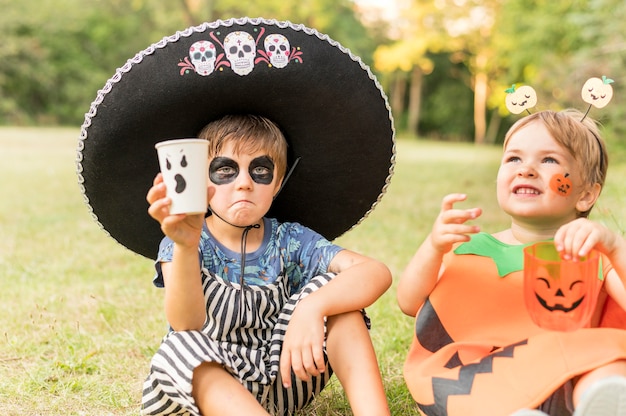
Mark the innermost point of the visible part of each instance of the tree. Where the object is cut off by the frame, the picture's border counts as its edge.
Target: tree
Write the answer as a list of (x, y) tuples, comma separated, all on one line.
[(56, 54), (461, 29)]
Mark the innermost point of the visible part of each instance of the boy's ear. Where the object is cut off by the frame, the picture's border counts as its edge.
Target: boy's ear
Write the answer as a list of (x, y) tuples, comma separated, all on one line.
[(588, 198)]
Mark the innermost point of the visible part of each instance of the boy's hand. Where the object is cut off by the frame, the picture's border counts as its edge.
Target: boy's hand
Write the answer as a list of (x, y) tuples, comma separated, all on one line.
[(303, 345), (183, 229), (449, 227), (577, 238)]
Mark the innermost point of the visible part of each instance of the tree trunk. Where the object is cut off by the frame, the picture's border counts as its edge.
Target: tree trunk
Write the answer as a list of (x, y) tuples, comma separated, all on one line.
[(415, 99), (480, 107), (493, 127), (398, 91)]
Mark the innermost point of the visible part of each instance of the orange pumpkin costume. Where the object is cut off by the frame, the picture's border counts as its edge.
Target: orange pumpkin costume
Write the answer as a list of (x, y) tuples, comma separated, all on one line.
[(477, 352)]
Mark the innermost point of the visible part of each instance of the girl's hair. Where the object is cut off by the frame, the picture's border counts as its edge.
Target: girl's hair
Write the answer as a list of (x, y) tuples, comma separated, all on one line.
[(248, 134), (579, 135)]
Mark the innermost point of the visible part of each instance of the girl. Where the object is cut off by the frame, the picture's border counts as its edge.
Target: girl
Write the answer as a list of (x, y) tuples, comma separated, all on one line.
[(476, 350)]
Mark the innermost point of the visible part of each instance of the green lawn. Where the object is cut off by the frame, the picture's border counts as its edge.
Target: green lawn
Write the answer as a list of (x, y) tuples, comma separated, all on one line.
[(81, 319)]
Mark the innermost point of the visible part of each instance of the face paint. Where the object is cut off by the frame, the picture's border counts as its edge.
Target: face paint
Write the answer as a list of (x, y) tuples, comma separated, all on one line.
[(223, 170), (561, 184), (261, 170)]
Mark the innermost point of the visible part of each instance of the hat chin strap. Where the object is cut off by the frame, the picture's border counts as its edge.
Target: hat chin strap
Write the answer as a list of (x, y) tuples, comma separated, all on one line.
[(282, 185), (242, 282), (244, 238)]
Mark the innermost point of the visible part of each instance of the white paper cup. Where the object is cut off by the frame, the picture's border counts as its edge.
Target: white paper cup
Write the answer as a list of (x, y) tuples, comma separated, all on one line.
[(184, 164)]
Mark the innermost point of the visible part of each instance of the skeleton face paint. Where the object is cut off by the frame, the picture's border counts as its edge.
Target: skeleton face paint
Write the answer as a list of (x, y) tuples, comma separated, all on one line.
[(223, 170)]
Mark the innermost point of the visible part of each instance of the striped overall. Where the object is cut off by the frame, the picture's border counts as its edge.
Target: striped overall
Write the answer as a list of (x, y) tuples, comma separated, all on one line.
[(247, 346)]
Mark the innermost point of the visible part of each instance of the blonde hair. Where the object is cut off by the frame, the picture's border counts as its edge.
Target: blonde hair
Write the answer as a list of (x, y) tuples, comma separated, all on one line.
[(249, 134), (579, 135)]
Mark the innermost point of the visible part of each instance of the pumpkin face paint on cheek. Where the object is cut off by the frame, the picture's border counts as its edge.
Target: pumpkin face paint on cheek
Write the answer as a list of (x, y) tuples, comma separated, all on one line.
[(561, 184), (224, 170)]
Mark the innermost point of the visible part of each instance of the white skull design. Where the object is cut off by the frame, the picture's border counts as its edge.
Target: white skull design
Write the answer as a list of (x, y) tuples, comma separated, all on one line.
[(202, 54), (277, 48), (240, 49)]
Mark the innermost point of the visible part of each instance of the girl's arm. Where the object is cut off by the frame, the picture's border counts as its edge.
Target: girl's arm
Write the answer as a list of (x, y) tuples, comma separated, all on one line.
[(421, 275)]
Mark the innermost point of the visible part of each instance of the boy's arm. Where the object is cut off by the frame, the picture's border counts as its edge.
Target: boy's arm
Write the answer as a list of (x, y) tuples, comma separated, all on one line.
[(359, 281), (184, 297)]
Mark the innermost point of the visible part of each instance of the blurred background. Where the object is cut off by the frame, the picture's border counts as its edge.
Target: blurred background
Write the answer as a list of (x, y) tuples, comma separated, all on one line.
[(444, 64)]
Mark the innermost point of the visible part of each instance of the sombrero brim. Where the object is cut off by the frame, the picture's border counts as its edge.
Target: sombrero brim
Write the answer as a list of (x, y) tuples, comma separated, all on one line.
[(329, 105)]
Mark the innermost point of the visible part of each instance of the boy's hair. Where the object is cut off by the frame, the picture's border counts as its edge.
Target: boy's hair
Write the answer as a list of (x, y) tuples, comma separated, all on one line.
[(579, 135), (249, 134)]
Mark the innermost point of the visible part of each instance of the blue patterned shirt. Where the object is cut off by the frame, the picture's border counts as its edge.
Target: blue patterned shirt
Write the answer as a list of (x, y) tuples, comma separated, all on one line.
[(305, 254)]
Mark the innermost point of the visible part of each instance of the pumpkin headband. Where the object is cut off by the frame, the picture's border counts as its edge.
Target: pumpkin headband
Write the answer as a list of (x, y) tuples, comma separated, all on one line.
[(596, 92)]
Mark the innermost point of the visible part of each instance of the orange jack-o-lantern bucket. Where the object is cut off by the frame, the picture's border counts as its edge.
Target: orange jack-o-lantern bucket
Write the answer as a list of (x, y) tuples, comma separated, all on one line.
[(560, 294)]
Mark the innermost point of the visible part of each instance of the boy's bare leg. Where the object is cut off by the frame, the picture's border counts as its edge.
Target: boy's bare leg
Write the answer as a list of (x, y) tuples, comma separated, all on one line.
[(216, 392), (352, 357)]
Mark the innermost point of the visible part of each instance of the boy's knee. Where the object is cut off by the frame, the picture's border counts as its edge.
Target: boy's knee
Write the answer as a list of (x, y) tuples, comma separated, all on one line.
[(346, 320)]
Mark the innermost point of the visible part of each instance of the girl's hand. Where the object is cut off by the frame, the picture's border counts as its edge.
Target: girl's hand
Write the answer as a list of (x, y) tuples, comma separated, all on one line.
[(449, 227), (183, 229), (577, 238), (303, 345)]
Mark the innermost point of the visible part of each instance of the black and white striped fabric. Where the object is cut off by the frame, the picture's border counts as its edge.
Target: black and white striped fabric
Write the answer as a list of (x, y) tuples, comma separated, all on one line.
[(246, 346)]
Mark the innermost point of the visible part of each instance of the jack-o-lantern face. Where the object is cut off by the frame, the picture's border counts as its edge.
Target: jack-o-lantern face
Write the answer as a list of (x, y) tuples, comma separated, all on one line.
[(520, 99), (559, 294), (597, 92), (561, 184)]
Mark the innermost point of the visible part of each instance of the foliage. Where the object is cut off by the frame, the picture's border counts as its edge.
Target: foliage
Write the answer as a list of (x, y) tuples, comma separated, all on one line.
[(442, 118), (56, 54)]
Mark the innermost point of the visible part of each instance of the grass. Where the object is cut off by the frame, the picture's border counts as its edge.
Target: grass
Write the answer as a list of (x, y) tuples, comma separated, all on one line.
[(80, 318)]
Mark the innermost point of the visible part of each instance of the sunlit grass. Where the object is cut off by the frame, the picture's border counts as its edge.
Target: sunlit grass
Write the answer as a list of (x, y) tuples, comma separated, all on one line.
[(81, 319)]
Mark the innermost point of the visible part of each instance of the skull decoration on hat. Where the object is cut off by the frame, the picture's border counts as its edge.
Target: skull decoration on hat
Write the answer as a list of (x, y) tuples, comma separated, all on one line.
[(240, 51)]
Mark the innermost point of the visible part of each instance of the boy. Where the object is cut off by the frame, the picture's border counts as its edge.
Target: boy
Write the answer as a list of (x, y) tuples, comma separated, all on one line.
[(234, 363)]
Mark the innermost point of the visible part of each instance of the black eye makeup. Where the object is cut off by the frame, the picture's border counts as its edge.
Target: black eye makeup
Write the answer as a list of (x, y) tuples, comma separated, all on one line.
[(223, 170), (261, 170)]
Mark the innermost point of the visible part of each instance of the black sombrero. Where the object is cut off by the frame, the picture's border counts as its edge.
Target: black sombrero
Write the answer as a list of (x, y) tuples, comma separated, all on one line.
[(329, 105)]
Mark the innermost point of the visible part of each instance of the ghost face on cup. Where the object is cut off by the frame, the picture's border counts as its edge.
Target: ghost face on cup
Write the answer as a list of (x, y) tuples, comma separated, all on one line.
[(244, 184)]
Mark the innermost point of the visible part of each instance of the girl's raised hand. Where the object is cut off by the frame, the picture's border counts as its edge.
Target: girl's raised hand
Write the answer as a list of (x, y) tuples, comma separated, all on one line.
[(450, 226)]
